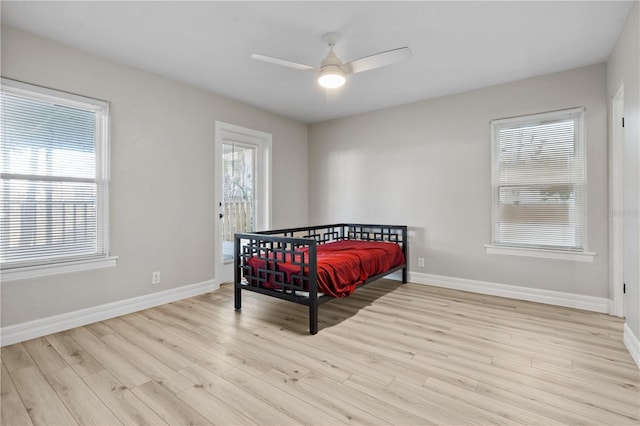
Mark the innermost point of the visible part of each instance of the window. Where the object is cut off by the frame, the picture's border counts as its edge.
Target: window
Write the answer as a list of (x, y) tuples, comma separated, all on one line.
[(538, 181), (239, 192), (54, 168)]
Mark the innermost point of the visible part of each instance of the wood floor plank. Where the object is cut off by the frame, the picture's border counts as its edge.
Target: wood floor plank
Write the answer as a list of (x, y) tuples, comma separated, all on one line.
[(73, 354), (608, 370), (463, 309), (527, 385), (249, 349), (390, 354), (127, 407), (462, 343), (42, 402), (259, 339), (83, 404), (148, 364), (170, 319), (312, 362), (504, 410), (12, 410), (15, 357), (355, 346), (577, 391), (454, 404), (168, 406), (99, 329), (177, 343), (325, 355), (531, 402), (407, 398), (433, 407), (603, 382), (218, 351), (165, 354), (285, 402), (620, 389), (126, 372), (550, 356), (342, 410), (246, 402), (317, 358), (376, 407), (44, 355), (394, 364), (212, 408)]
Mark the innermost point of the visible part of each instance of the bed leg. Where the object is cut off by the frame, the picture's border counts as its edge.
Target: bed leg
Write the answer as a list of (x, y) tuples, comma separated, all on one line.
[(238, 298), (404, 276), (313, 318)]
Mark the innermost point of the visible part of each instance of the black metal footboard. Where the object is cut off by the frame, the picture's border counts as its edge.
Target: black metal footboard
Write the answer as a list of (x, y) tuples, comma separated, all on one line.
[(257, 256)]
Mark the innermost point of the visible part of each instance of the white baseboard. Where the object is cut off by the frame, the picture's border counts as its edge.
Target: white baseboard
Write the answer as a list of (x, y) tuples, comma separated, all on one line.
[(41, 327), (569, 300), (632, 343)]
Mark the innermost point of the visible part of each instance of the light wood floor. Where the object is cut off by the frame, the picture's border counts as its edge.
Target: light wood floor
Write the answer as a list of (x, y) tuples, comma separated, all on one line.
[(390, 354)]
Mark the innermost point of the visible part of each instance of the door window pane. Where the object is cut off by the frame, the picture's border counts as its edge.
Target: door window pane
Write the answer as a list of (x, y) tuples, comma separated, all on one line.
[(239, 195)]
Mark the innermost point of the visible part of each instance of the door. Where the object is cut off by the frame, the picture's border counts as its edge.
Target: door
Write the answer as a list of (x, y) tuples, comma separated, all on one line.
[(243, 158)]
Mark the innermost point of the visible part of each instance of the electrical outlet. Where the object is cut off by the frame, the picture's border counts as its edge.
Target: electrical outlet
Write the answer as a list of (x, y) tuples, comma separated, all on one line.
[(155, 278), (421, 262)]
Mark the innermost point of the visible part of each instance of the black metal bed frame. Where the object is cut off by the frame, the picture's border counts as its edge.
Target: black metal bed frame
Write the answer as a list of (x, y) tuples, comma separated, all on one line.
[(271, 247)]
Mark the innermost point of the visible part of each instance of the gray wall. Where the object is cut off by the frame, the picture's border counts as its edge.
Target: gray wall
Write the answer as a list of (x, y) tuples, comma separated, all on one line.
[(623, 67), (162, 167), (428, 165)]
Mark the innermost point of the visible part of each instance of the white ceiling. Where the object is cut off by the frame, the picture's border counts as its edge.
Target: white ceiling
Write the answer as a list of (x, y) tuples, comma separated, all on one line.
[(457, 46)]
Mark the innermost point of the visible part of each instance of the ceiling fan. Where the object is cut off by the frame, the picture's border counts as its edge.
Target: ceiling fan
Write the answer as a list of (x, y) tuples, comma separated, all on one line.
[(332, 71)]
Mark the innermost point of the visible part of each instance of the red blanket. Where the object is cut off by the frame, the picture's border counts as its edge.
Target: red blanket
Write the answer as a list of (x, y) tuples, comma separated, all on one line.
[(341, 265)]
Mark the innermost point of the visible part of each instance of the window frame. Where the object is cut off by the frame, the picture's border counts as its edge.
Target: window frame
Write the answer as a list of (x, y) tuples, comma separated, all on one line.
[(542, 251), (102, 258)]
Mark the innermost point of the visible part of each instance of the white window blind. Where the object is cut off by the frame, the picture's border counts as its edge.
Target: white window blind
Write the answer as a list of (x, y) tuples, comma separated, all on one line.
[(538, 181), (54, 170)]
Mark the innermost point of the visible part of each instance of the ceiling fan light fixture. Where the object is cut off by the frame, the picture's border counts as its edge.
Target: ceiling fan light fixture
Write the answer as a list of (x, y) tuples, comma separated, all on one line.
[(332, 71), (331, 77)]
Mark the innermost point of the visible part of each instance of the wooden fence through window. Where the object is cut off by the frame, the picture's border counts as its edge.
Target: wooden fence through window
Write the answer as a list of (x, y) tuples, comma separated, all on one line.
[(238, 217)]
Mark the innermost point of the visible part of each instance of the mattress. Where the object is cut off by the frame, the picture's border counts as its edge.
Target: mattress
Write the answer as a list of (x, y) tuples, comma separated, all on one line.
[(341, 266)]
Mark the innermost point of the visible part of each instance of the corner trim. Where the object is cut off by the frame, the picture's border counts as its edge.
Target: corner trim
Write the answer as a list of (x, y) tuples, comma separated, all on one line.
[(568, 300), (632, 343), (41, 327)]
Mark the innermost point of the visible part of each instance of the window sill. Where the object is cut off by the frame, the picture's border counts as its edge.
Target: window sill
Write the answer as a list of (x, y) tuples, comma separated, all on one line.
[(59, 268), (541, 253)]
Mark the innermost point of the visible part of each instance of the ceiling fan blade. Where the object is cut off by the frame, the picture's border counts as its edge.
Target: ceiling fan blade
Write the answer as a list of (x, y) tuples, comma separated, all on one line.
[(378, 60), (282, 62)]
